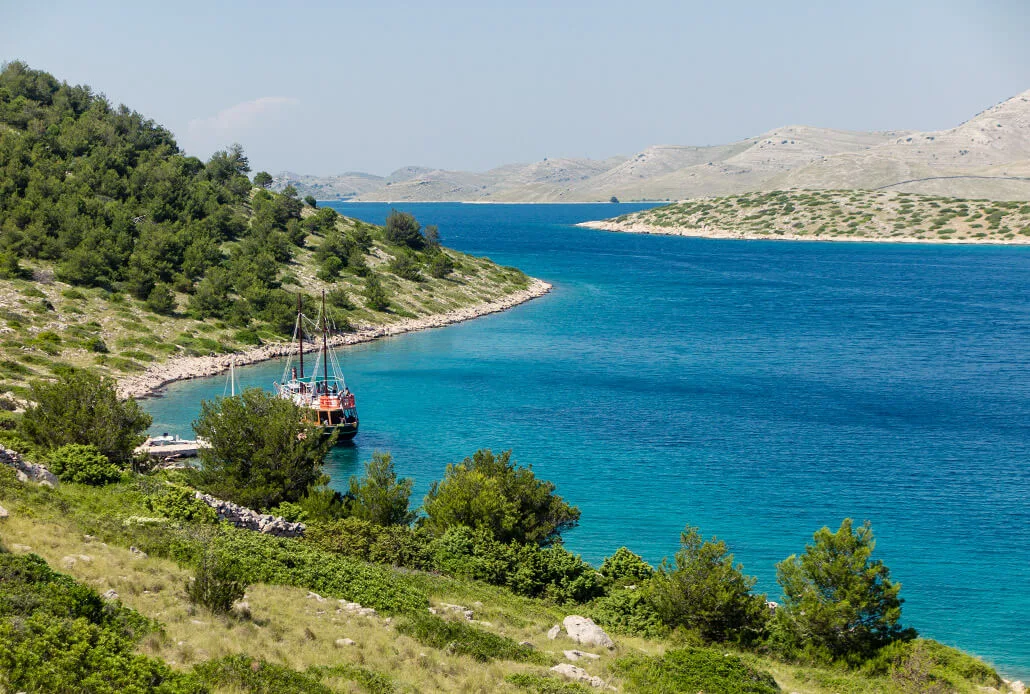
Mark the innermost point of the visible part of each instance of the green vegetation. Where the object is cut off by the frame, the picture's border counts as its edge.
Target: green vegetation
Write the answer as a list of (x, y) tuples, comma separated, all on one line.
[(464, 639), (217, 584), (262, 452), (838, 215), (490, 492), (75, 462), (380, 498), (708, 593), (839, 600), (109, 233), (694, 670), (83, 408)]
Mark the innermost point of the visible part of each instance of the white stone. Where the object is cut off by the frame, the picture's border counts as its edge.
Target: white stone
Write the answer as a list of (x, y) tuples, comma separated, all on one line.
[(578, 674), (584, 631), (3, 512), (315, 596), (21, 548), (1017, 687), (137, 553), (340, 643), (110, 595), (575, 655), (554, 632)]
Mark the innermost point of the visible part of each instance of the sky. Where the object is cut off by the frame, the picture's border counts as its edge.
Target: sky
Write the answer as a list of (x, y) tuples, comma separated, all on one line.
[(329, 87)]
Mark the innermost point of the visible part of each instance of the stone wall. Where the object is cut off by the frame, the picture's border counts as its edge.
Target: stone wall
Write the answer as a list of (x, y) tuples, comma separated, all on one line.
[(249, 519)]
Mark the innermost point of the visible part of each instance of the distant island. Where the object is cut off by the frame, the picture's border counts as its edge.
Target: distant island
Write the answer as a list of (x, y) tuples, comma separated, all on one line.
[(987, 156), (834, 215)]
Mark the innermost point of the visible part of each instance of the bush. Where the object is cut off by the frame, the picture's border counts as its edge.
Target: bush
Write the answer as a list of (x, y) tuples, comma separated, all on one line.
[(406, 267), (161, 300), (338, 298), (441, 265), (490, 492), (464, 639), (264, 559), (693, 670), (57, 635), (242, 673), (403, 230), (707, 592), (83, 464), (628, 612), (217, 584), (330, 269), (837, 599), (360, 539), (380, 497), (624, 567), (544, 684), (246, 337), (375, 296), (180, 503), (82, 407), (262, 451)]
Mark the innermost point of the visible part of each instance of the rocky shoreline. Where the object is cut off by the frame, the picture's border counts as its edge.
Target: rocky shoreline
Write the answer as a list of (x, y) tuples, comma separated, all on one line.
[(707, 232), (181, 368)]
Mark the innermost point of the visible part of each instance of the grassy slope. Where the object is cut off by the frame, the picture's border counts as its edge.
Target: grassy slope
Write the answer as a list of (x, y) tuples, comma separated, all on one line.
[(288, 627), (45, 323), (850, 215)]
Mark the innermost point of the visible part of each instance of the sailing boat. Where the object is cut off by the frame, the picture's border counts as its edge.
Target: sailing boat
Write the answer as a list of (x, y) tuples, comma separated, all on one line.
[(325, 397)]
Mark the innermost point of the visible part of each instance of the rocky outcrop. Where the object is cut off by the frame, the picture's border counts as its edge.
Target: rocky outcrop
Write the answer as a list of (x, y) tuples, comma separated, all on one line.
[(26, 471), (249, 519), (578, 674), (584, 631)]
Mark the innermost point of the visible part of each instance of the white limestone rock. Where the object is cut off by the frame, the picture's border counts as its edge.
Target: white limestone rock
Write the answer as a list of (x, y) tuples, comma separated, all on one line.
[(554, 632), (583, 630), (575, 655), (578, 674)]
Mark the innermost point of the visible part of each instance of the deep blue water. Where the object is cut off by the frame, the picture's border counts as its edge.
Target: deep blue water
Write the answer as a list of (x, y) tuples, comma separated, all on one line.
[(759, 390)]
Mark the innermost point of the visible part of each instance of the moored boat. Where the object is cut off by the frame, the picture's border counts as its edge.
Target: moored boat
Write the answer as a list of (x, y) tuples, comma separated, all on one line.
[(324, 396)]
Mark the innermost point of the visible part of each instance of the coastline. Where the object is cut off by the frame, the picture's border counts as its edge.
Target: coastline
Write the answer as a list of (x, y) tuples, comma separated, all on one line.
[(712, 233), (150, 382)]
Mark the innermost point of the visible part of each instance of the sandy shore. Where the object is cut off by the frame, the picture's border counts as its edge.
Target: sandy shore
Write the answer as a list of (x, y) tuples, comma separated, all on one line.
[(713, 233), (180, 368)]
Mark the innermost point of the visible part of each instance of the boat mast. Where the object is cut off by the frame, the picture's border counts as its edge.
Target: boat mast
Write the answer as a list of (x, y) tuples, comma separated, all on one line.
[(232, 377), (300, 338), (325, 350)]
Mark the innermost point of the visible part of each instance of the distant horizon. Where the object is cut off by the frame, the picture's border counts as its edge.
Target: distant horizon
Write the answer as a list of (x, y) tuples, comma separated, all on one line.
[(372, 88)]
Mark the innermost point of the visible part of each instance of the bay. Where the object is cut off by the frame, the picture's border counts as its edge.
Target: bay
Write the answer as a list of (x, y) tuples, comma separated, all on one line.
[(759, 390)]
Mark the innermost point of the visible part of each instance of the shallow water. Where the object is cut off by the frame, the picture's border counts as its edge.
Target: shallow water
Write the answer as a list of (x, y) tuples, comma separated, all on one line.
[(759, 390)]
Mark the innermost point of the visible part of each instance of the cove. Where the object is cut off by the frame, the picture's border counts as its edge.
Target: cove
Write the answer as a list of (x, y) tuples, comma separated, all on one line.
[(759, 390)]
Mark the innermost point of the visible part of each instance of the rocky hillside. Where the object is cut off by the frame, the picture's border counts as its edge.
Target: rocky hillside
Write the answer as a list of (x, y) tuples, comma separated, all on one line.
[(988, 156), (835, 215)]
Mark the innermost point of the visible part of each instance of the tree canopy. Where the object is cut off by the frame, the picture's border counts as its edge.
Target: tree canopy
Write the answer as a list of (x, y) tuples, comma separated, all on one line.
[(81, 407), (261, 452), (490, 492), (837, 597), (379, 497)]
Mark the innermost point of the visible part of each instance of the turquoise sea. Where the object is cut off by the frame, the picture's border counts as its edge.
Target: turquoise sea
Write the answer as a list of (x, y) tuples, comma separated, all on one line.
[(759, 390)]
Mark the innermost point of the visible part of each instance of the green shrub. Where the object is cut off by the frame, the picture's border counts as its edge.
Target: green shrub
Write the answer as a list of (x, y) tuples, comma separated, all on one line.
[(59, 636), (693, 670), (493, 493), (464, 639), (264, 559), (628, 612), (242, 673), (406, 267), (83, 464), (544, 684), (369, 680), (246, 337), (217, 584), (181, 504), (441, 265), (379, 497), (925, 665), (624, 567), (360, 539), (705, 591)]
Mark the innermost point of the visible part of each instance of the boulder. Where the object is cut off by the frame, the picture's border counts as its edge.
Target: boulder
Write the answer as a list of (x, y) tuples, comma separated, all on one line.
[(1017, 687), (554, 632), (3, 512), (575, 655), (578, 674), (342, 643), (137, 553), (583, 630), (110, 595)]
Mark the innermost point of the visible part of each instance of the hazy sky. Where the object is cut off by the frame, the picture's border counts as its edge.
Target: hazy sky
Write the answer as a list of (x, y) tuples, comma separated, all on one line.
[(324, 87)]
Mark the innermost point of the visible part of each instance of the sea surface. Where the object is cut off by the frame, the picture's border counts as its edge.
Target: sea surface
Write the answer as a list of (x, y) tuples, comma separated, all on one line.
[(758, 389)]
